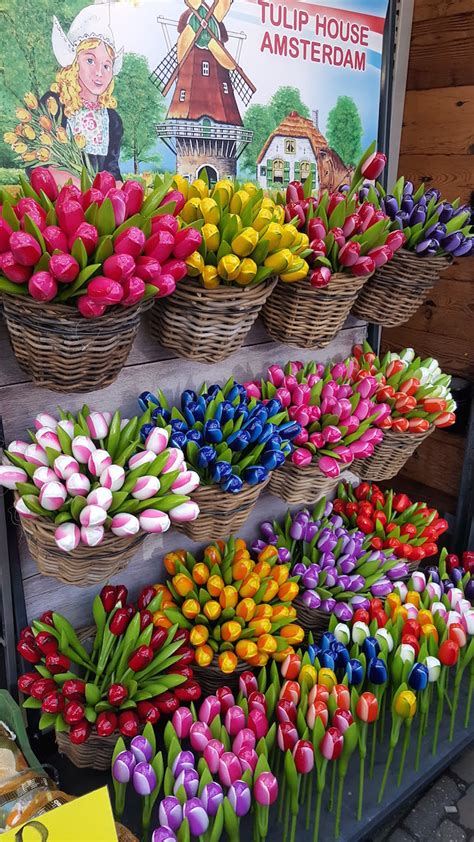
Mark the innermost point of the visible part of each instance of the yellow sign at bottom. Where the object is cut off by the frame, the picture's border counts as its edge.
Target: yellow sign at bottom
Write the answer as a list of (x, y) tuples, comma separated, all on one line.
[(85, 819)]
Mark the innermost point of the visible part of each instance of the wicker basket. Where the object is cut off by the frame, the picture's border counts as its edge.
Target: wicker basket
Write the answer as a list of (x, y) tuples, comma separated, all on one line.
[(311, 620), (301, 485), (207, 325), (64, 352), (211, 678), (221, 513), (83, 566), (396, 290), (390, 455), (95, 753), (298, 314)]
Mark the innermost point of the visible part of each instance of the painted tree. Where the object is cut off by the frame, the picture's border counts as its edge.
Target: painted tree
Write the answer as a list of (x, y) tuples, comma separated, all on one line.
[(141, 107), (344, 130), (285, 100)]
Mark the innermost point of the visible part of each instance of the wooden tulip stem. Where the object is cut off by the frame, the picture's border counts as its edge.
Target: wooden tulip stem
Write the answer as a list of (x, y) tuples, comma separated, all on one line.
[(439, 709), (361, 786), (340, 793), (406, 742), (382, 720), (457, 687), (293, 827), (372, 750), (282, 801), (421, 734), (317, 817), (309, 797), (386, 771), (333, 785), (287, 816)]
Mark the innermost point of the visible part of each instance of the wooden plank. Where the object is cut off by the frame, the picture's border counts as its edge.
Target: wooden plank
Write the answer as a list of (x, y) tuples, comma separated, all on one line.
[(447, 311), (441, 52), (462, 269), (452, 174), (453, 356), (438, 462), (439, 119), (432, 9)]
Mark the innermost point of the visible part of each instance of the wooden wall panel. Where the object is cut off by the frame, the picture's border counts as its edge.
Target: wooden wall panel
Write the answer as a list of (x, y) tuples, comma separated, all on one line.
[(431, 9), (441, 52), (452, 174), (453, 129)]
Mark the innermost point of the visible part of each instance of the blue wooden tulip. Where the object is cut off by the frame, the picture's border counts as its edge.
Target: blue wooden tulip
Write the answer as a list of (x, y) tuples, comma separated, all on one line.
[(371, 647), (327, 640), (340, 654), (273, 407), (233, 484), (146, 398), (145, 430), (212, 432), (221, 471), (254, 474), (195, 435), (206, 456), (418, 677), (354, 671), (178, 440), (271, 460), (187, 397), (227, 412), (178, 426), (160, 412), (314, 652), (326, 659), (239, 441), (377, 671)]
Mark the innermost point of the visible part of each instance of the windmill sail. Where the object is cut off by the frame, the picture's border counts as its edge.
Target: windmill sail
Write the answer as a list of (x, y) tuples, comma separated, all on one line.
[(167, 67), (241, 86)]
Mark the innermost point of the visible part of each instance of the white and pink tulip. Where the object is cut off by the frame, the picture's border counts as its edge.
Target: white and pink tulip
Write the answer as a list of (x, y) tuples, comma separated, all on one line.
[(145, 488), (67, 537), (52, 496), (112, 477), (123, 525), (98, 461), (92, 516), (152, 520), (65, 466), (82, 447), (78, 485), (10, 476)]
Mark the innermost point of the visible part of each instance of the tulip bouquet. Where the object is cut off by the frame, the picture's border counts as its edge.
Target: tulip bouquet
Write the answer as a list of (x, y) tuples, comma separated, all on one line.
[(345, 234), (416, 390), (234, 608), (392, 520), (95, 246), (227, 740), (245, 240), (121, 681), (336, 566), (87, 474), (431, 225), (339, 419), (229, 437)]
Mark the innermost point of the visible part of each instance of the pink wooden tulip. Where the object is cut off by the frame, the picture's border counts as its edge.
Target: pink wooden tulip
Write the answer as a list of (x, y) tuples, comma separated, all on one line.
[(23, 510), (244, 739), (41, 286), (187, 241), (92, 516), (145, 488), (133, 193), (131, 241), (265, 789), (70, 215), (258, 723), (230, 768), (9, 476), (42, 179), (140, 459), (165, 285), (212, 754), (5, 233), (104, 181), (199, 736), (89, 308), (210, 708), (112, 477), (13, 271), (36, 455), (185, 513), (98, 461), (329, 466), (101, 497), (52, 496), (43, 475), (18, 447), (157, 440), (181, 721), (65, 466), (123, 525), (78, 485), (104, 290), (97, 424), (89, 236), (64, 268), (234, 720), (174, 196), (160, 245), (165, 222), (187, 482), (174, 461), (67, 537), (119, 267), (248, 759), (176, 268), (152, 520), (82, 447), (25, 248), (148, 269), (133, 291), (301, 457), (92, 536), (44, 419), (119, 205), (48, 438)]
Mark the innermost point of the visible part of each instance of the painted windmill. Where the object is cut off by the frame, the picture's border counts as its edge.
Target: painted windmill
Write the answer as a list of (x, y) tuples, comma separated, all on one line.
[(203, 126)]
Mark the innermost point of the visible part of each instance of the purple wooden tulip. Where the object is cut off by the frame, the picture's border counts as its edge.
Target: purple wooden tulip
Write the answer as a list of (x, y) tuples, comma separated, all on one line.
[(297, 530), (123, 767), (311, 600), (327, 560), (344, 582), (284, 555), (310, 578), (331, 578), (163, 834), (360, 602), (142, 749), (240, 798), (144, 779), (299, 569), (357, 583), (327, 541), (337, 522), (212, 797), (266, 528), (258, 546), (346, 564), (170, 812), (310, 531), (343, 612), (196, 815), (184, 760), (381, 588), (464, 248), (398, 571), (189, 780), (328, 605)]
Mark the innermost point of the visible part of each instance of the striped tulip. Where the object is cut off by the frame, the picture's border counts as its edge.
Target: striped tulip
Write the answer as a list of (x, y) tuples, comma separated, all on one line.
[(145, 488), (187, 482), (36, 455), (185, 513), (152, 520), (78, 485), (174, 461), (18, 447), (123, 525), (101, 497), (199, 736), (43, 475), (82, 447), (67, 537), (9, 476), (112, 477), (23, 510), (44, 419), (92, 516), (97, 424), (65, 467), (52, 496), (98, 461), (92, 536), (145, 457)]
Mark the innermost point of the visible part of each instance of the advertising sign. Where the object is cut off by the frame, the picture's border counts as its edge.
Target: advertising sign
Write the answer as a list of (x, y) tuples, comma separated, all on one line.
[(263, 89)]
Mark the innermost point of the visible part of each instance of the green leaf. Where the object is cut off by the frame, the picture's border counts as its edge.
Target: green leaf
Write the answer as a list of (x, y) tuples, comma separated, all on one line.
[(81, 279), (105, 222), (78, 251)]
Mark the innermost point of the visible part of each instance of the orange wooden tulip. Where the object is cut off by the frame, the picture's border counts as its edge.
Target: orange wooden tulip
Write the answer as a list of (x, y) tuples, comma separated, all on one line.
[(288, 591), (425, 617), (246, 609), (271, 590), (249, 586), (430, 630), (170, 560), (262, 569), (246, 649), (182, 584), (215, 584), (259, 660), (190, 608), (267, 643), (199, 635), (231, 631), (212, 610), (203, 655), (241, 569), (160, 619), (413, 597), (259, 627), (263, 611), (213, 554), (228, 597), (227, 662), (292, 633), (269, 553), (280, 611), (393, 600), (200, 573), (282, 654), (280, 573)]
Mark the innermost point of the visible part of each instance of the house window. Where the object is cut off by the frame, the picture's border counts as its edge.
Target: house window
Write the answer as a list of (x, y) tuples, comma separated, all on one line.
[(263, 171), (290, 146), (205, 68), (182, 95), (225, 87), (305, 170), (278, 171)]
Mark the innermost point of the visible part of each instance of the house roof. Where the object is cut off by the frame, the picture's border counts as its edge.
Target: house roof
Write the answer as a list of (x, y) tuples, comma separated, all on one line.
[(294, 125)]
